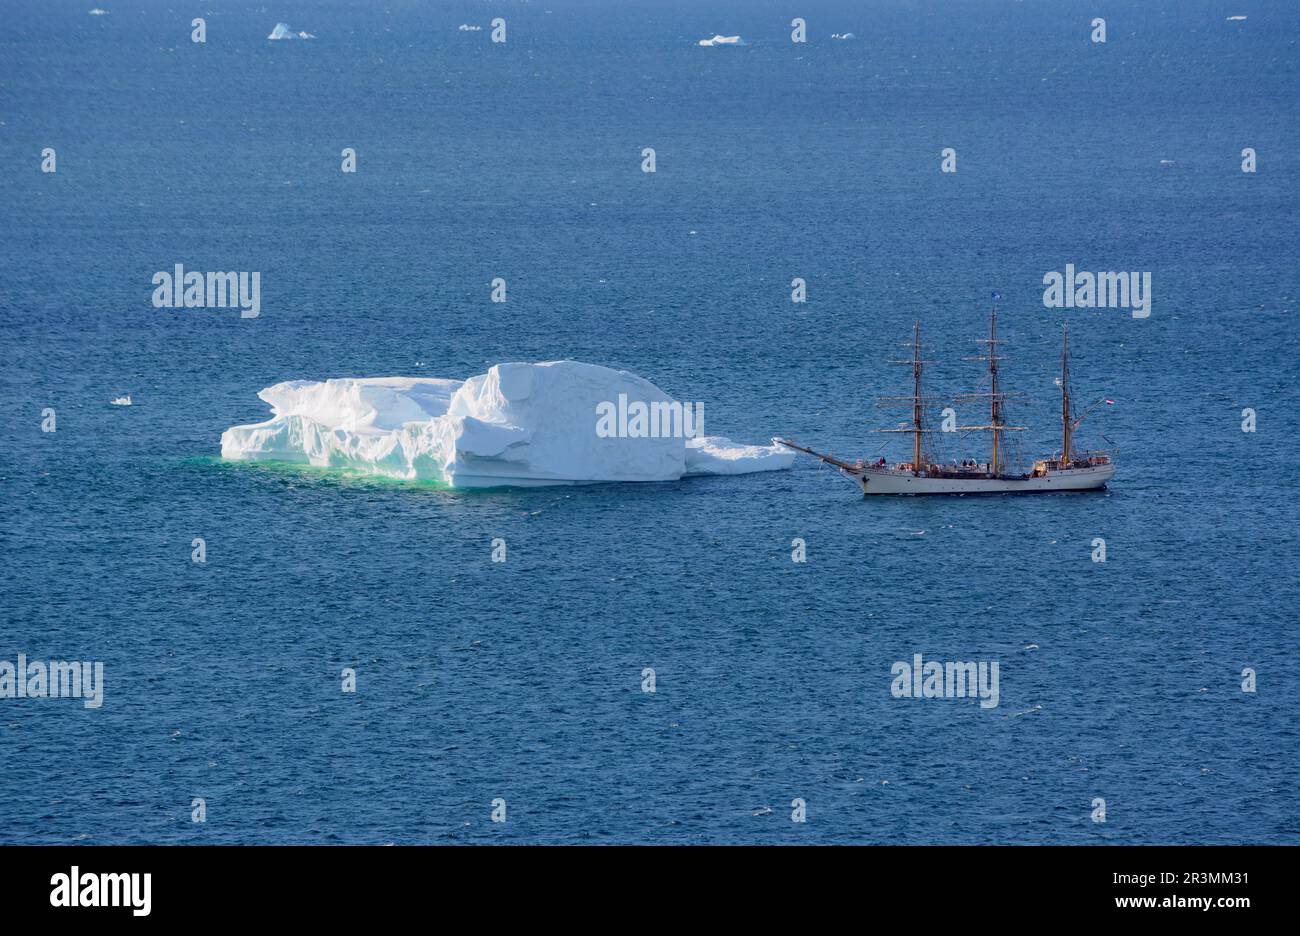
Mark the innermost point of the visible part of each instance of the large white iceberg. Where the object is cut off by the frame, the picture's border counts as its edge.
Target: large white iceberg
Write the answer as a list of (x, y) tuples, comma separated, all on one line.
[(516, 425)]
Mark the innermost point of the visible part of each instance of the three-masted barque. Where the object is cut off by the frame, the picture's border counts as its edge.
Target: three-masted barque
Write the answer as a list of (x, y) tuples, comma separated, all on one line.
[(1066, 470)]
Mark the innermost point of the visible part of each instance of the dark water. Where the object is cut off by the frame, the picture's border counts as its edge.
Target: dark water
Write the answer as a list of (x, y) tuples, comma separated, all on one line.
[(522, 680)]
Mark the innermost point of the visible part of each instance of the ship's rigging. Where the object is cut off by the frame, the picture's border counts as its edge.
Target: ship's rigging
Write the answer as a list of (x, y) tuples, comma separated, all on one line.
[(929, 446), (930, 471)]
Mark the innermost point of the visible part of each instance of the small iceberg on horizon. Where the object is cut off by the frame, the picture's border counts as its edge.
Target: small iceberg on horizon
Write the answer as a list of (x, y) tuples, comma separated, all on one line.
[(518, 425), (466, 27), (123, 400), (285, 31), (721, 40), (98, 12)]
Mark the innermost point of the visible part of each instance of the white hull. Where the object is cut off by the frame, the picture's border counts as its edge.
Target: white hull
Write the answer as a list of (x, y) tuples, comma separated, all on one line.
[(890, 481)]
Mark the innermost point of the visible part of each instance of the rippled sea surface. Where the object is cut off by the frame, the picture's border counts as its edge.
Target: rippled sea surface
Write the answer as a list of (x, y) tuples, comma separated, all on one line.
[(522, 680)]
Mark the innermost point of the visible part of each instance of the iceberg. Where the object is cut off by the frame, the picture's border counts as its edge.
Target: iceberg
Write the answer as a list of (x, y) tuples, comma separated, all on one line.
[(721, 40), (518, 425), (718, 455), (285, 31)]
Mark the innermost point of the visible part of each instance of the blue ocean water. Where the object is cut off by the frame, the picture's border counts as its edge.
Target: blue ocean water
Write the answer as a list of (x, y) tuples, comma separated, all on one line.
[(522, 680)]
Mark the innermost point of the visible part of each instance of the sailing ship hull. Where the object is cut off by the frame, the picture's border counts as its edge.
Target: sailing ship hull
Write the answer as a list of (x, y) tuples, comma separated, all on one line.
[(887, 481)]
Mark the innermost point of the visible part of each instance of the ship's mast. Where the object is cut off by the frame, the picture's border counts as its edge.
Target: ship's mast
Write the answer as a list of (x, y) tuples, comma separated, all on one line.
[(995, 416), (1066, 429), (917, 402), (997, 398), (916, 398)]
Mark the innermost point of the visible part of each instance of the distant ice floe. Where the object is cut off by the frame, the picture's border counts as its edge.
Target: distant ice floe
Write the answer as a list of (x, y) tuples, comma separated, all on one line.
[(721, 40), (98, 12), (841, 35), (1233, 19), (285, 31), (518, 425), (718, 455), (466, 27), (123, 400)]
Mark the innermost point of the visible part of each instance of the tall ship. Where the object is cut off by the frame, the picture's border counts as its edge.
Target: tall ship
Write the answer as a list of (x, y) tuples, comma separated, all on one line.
[(1069, 469)]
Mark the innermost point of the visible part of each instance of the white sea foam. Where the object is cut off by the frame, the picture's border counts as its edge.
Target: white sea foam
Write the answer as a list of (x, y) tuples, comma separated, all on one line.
[(517, 425)]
